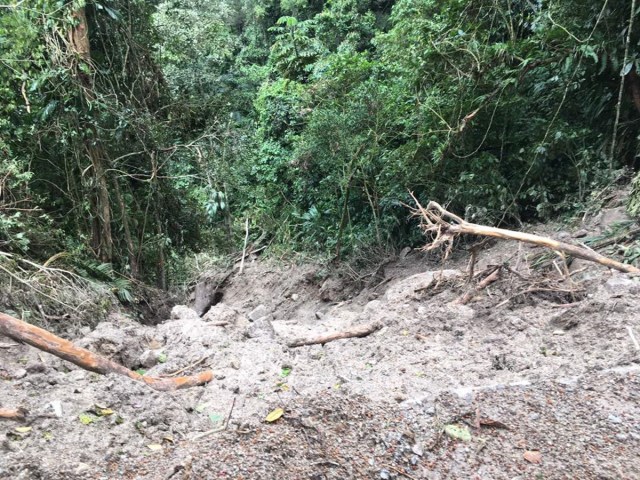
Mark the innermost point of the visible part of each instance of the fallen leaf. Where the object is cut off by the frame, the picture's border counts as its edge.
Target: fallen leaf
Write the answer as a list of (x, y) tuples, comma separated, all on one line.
[(532, 456), (275, 415), (285, 372), (86, 418), (216, 418), (103, 412), (162, 358), (154, 447), (23, 429), (168, 438), (457, 432)]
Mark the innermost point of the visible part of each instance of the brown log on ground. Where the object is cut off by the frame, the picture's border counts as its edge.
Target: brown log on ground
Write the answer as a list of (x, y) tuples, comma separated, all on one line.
[(437, 220), (37, 337), (19, 414), (359, 331)]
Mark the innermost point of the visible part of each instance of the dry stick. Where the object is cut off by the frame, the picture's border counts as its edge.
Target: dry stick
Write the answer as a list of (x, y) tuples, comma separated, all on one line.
[(194, 364), (38, 337), (436, 220), (19, 414), (358, 331), (466, 298), (244, 248), (633, 337)]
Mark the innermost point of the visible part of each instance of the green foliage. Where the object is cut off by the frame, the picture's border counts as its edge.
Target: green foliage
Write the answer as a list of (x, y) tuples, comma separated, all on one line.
[(314, 119)]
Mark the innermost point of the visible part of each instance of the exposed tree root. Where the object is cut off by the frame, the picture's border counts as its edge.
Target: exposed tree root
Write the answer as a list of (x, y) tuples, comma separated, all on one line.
[(37, 337)]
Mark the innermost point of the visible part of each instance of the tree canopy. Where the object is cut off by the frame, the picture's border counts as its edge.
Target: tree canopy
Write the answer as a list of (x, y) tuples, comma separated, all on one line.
[(133, 132)]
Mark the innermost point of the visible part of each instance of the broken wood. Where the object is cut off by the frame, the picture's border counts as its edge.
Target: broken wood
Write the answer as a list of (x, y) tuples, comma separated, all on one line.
[(358, 331), (38, 337), (446, 225), (488, 280), (19, 414)]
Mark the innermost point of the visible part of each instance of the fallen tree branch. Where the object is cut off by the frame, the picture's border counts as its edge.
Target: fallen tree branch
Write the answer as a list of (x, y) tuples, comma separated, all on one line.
[(42, 339), (19, 414), (446, 225), (358, 331)]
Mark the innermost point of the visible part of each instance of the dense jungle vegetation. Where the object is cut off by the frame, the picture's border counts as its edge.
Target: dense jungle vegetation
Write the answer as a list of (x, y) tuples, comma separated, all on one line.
[(133, 132)]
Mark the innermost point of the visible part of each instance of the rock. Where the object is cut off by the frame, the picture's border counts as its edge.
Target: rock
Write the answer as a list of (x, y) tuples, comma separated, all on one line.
[(36, 367), (261, 327), (182, 312), (295, 297), (222, 313), (319, 315), (558, 332), (614, 418), (384, 474), (410, 288), (581, 233), (332, 290), (204, 296), (564, 320), (257, 313), (149, 358), (19, 374), (417, 449), (621, 285), (621, 437)]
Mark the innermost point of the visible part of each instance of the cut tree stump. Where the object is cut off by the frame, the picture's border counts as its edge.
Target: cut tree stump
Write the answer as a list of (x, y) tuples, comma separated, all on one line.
[(37, 337), (446, 225), (359, 331)]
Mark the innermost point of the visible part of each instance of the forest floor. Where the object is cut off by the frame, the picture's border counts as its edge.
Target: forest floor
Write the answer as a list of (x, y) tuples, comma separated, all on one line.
[(536, 377)]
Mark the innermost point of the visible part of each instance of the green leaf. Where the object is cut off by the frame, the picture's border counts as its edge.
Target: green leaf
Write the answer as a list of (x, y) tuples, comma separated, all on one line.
[(458, 432), (162, 358), (285, 372)]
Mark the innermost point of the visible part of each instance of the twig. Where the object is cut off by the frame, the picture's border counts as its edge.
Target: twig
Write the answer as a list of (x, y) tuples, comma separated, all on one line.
[(401, 472), (178, 372), (219, 429), (244, 248), (633, 337), (19, 414), (9, 345)]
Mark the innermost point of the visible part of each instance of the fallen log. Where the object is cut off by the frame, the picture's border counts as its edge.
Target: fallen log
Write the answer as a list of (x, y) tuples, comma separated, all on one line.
[(19, 414), (446, 225), (358, 331), (42, 339)]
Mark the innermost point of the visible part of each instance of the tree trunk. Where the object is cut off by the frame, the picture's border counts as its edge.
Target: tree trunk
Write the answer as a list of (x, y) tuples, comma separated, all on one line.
[(131, 253), (79, 41)]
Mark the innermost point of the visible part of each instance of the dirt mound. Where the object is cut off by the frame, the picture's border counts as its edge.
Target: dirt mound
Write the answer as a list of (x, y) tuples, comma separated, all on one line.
[(553, 361)]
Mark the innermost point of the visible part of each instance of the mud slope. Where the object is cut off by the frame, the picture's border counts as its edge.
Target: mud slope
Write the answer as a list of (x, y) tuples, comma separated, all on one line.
[(553, 371)]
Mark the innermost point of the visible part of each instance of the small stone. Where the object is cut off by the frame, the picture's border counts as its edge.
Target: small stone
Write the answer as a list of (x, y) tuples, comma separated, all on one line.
[(384, 474), (319, 315), (261, 327), (417, 449), (149, 358), (19, 374), (534, 416), (558, 332), (182, 312), (414, 459), (295, 297), (580, 233), (258, 312), (614, 418), (621, 437)]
